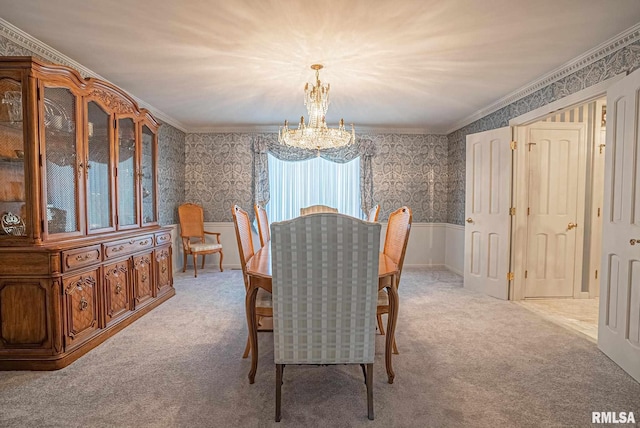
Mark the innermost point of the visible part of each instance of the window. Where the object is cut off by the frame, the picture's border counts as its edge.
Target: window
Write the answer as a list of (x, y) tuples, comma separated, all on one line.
[(295, 185)]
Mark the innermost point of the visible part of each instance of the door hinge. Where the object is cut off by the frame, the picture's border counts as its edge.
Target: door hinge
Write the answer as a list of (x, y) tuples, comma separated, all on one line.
[(528, 211), (526, 273), (598, 212), (596, 273), (510, 276), (512, 211), (513, 145)]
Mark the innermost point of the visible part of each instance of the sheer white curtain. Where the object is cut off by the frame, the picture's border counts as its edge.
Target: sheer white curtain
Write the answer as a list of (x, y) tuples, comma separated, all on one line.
[(294, 185)]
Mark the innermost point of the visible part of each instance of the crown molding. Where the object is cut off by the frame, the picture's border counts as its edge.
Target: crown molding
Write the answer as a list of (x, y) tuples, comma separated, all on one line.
[(273, 129), (617, 42), (41, 49)]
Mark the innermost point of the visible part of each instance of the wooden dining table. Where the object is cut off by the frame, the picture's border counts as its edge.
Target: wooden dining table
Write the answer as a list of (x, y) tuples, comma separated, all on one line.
[(259, 273)]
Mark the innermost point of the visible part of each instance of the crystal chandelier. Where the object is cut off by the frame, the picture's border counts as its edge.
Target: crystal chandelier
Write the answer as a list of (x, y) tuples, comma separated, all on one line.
[(316, 135)]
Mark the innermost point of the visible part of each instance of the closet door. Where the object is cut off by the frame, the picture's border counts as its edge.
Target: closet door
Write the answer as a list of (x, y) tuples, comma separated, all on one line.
[(619, 324)]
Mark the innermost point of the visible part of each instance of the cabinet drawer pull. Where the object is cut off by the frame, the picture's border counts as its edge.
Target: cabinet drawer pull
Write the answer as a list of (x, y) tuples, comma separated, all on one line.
[(634, 241), (164, 268), (118, 288), (144, 277), (83, 304), (83, 257), (120, 248), (145, 242)]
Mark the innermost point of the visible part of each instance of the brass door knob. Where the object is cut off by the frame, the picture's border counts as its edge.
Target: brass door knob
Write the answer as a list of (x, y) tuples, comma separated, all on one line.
[(571, 226), (469, 220)]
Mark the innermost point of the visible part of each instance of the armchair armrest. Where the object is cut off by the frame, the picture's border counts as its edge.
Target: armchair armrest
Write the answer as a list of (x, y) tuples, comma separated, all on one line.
[(216, 234)]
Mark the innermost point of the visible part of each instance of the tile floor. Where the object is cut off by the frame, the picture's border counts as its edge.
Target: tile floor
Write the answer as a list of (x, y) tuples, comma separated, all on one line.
[(580, 315)]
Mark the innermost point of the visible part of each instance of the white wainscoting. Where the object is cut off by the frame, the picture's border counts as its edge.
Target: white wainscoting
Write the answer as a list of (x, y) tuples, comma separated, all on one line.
[(454, 255), (430, 244)]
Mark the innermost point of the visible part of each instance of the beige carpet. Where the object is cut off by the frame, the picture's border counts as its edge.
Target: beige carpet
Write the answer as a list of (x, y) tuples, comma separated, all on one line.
[(465, 360)]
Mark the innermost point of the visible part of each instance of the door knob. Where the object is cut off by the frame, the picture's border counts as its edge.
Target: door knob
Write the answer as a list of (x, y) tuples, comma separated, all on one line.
[(635, 241), (469, 220), (571, 226)]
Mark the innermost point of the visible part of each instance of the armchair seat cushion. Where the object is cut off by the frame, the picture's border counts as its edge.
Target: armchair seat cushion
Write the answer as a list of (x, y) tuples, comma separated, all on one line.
[(199, 247), (383, 298), (263, 299)]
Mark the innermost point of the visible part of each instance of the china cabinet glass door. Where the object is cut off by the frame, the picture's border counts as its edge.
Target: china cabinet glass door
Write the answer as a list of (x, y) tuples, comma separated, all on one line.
[(63, 168), (13, 204), (99, 196), (127, 195), (148, 166)]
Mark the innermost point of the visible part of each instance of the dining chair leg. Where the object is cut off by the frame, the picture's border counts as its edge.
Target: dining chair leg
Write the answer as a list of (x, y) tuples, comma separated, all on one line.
[(203, 257), (395, 348), (221, 261), (369, 383), (247, 348), (184, 263), (278, 391), (380, 327), (195, 265)]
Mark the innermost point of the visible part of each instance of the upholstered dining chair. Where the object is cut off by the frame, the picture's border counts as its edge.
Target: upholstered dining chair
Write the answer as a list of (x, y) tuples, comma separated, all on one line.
[(324, 294), (263, 224), (395, 246), (373, 213), (317, 209), (242, 225), (193, 236)]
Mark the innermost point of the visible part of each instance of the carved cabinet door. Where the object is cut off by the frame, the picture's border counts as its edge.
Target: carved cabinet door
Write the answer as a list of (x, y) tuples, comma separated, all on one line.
[(117, 290), (143, 282), (164, 273), (81, 307)]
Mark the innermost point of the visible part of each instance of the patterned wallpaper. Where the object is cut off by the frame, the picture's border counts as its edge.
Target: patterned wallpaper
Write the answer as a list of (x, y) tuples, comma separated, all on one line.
[(408, 170), (170, 153), (625, 59), (171, 170)]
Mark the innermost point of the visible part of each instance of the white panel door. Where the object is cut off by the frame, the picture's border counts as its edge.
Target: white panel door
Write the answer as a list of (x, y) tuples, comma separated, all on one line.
[(619, 323), (487, 203), (556, 172), (597, 200)]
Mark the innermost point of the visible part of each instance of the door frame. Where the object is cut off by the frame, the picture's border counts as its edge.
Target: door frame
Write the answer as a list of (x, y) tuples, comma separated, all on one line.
[(520, 182)]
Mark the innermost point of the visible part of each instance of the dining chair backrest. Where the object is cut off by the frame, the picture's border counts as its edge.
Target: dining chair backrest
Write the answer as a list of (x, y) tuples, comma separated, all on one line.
[(242, 225), (191, 218), (325, 287), (317, 209), (397, 237), (373, 213), (263, 224)]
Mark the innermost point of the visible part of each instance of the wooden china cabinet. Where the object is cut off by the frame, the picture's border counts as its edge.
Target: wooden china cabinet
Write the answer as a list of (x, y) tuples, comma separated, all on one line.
[(81, 252)]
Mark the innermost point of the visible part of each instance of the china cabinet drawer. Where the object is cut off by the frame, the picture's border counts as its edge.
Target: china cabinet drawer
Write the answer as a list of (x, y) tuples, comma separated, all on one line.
[(81, 257), (128, 246), (163, 238)]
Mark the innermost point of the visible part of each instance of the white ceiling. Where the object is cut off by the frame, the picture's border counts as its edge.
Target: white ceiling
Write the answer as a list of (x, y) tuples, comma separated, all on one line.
[(423, 65)]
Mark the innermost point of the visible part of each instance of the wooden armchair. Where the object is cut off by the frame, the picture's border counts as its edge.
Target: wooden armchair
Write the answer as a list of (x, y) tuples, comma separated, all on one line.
[(242, 225), (324, 297), (263, 224), (373, 213), (317, 209), (395, 246), (193, 240)]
